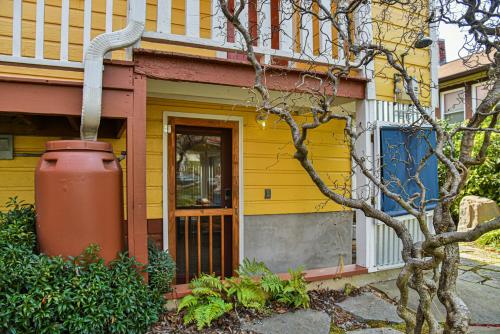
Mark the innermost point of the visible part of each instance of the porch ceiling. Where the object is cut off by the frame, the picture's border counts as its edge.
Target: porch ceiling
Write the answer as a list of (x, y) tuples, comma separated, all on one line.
[(233, 73), (238, 96)]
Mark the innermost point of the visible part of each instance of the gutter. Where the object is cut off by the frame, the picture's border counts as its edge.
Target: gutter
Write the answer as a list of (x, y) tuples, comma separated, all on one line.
[(94, 67)]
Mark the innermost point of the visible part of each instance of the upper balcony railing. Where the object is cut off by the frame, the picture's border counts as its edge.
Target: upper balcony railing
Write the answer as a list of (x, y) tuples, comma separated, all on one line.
[(57, 33)]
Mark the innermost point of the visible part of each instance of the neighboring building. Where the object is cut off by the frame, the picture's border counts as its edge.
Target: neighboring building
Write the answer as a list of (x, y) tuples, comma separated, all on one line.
[(178, 87), (463, 84)]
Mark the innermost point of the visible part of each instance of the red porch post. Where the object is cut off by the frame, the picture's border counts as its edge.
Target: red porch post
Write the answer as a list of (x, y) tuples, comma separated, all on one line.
[(136, 173)]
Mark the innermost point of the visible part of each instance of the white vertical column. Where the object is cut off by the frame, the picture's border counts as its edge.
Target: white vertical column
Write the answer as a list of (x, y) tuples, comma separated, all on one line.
[(63, 53), (87, 24), (325, 30), (264, 23), (286, 29), (365, 226), (193, 18), (164, 16), (17, 16), (40, 25), (306, 30)]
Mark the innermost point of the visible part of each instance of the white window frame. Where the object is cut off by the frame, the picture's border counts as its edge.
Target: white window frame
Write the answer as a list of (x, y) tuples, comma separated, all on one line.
[(441, 101), (474, 95)]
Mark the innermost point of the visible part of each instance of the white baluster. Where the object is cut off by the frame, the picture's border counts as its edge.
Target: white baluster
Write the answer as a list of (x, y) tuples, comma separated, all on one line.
[(87, 24), (109, 15), (343, 27), (286, 29), (17, 16), (164, 14), (325, 34), (264, 23), (306, 30), (244, 21), (40, 36), (109, 22), (193, 18), (63, 53), (219, 26)]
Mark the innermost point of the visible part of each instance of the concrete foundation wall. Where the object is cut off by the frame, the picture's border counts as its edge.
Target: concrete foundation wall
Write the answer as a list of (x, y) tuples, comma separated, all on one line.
[(311, 240)]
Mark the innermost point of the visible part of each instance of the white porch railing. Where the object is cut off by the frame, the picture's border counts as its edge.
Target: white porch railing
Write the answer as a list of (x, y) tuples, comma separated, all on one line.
[(387, 244), (221, 41), (70, 26), (399, 113)]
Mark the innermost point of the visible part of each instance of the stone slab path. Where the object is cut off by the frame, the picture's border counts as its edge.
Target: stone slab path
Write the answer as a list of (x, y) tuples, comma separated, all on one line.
[(478, 284), (382, 330), (298, 322), (368, 307)]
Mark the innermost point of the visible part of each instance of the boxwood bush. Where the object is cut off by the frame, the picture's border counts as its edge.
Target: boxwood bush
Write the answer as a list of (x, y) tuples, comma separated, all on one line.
[(81, 295)]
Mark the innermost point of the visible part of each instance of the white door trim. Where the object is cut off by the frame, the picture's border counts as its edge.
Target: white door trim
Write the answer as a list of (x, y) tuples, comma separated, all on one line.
[(239, 119)]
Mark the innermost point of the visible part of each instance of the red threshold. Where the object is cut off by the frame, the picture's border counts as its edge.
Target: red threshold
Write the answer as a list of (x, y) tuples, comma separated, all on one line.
[(311, 275)]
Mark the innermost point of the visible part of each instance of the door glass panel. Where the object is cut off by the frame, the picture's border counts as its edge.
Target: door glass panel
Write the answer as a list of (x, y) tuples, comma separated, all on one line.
[(198, 170)]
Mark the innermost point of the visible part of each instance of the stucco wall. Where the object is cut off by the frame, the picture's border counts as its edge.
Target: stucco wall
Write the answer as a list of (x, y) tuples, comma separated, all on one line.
[(311, 240)]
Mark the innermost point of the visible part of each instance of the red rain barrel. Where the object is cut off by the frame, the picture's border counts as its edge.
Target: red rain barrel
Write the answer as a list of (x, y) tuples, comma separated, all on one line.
[(78, 199)]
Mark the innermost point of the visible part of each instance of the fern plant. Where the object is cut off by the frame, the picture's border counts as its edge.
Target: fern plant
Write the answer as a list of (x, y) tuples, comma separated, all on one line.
[(246, 289), (295, 290), (273, 285), (206, 302), (247, 292)]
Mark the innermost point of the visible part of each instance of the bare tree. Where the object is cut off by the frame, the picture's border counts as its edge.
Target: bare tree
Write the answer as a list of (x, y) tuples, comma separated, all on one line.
[(360, 35)]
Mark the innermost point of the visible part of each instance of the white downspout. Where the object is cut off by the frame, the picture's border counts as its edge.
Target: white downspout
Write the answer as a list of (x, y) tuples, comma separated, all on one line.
[(93, 66)]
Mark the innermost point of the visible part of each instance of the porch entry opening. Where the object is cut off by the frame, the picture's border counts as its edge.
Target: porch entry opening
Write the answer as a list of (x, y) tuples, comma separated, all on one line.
[(203, 197)]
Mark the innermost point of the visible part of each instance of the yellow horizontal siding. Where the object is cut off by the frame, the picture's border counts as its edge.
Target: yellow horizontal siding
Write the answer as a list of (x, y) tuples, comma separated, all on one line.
[(17, 176), (396, 28), (267, 161)]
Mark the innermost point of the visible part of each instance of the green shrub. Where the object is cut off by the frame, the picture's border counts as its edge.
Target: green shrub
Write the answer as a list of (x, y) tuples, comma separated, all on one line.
[(161, 268), (17, 225), (82, 295), (206, 302), (490, 239), (484, 179)]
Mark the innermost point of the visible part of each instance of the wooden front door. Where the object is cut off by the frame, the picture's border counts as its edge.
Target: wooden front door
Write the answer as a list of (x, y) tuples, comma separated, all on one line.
[(203, 198)]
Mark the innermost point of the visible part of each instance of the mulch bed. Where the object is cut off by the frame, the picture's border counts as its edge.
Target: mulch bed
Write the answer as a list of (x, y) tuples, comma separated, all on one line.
[(321, 300)]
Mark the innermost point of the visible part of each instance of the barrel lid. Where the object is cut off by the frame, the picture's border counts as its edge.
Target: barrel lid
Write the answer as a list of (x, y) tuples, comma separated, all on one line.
[(60, 145)]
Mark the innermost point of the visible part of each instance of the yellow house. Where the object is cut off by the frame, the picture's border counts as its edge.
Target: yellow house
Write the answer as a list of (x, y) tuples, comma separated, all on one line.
[(203, 176)]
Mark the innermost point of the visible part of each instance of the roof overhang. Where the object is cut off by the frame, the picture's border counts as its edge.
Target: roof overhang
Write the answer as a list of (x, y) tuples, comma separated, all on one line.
[(215, 71)]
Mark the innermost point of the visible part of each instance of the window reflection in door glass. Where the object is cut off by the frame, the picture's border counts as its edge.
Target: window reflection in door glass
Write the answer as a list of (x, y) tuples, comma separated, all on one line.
[(198, 171)]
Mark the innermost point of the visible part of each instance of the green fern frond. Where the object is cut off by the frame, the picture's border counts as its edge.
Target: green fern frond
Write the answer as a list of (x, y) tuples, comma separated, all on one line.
[(188, 301), (207, 281), (214, 309), (251, 268), (205, 291), (272, 284), (248, 292)]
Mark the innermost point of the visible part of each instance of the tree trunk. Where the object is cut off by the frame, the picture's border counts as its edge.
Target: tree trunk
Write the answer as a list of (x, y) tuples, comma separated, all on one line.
[(457, 313)]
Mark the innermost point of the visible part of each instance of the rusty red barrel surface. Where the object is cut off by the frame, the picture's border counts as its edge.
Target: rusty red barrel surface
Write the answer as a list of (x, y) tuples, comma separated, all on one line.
[(78, 198)]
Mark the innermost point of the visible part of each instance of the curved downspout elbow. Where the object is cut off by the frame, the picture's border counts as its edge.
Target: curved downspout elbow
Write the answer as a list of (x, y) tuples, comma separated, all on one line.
[(93, 67)]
